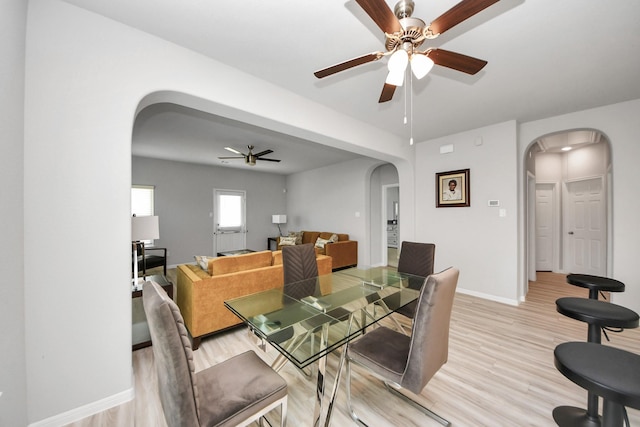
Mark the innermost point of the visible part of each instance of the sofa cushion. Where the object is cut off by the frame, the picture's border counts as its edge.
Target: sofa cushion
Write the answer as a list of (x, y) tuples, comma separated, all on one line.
[(288, 241), (320, 242), (276, 258), (233, 264), (297, 235), (203, 261)]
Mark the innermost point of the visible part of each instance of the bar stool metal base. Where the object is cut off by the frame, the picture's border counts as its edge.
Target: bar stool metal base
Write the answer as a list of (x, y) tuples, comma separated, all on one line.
[(570, 416)]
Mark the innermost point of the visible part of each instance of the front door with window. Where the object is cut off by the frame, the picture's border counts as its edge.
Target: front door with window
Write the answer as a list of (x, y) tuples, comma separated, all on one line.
[(229, 220)]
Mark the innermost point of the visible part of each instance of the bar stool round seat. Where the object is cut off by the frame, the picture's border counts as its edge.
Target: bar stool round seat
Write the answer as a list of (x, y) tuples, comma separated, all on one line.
[(595, 284), (597, 314), (608, 372)]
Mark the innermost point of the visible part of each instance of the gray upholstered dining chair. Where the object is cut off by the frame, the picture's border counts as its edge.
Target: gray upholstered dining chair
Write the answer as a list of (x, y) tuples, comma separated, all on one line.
[(299, 266), (300, 269), (235, 392), (417, 259), (409, 362)]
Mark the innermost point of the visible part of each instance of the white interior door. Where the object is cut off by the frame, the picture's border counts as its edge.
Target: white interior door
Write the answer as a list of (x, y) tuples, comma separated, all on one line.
[(585, 227), (545, 230), (229, 220)]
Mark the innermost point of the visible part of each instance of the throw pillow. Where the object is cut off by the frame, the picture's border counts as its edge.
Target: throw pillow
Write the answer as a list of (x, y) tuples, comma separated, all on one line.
[(333, 238), (202, 261), (321, 242), (297, 235), (287, 241)]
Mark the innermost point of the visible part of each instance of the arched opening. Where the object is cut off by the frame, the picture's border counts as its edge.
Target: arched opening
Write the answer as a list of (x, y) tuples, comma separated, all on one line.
[(385, 215), (568, 203)]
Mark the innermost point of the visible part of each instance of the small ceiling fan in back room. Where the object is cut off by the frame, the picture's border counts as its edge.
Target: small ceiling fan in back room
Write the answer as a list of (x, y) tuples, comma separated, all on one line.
[(250, 158), (405, 34)]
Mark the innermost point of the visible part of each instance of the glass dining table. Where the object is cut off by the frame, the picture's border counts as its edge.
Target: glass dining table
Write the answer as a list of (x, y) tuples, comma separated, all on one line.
[(307, 320)]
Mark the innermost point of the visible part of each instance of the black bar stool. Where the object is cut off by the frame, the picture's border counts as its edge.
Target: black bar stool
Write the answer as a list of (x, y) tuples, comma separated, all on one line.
[(605, 371), (598, 315), (595, 284)]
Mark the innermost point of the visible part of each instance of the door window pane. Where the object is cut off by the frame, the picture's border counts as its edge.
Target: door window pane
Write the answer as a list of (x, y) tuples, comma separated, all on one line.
[(230, 211)]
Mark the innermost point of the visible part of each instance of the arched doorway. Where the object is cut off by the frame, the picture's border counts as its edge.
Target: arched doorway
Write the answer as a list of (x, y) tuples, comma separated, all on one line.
[(568, 203), (385, 214)]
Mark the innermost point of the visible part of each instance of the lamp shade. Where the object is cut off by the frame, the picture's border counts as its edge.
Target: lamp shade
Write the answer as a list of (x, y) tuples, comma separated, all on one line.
[(279, 219), (144, 228)]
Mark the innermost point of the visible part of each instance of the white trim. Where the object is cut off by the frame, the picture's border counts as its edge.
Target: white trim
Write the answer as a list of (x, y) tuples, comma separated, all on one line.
[(88, 410), (489, 297)]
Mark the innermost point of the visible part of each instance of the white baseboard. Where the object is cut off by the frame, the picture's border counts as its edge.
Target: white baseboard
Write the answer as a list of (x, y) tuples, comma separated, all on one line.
[(488, 297), (88, 410)]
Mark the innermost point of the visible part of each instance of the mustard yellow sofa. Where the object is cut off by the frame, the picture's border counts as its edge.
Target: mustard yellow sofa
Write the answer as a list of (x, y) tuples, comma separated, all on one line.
[(201, 294), (343, 253)]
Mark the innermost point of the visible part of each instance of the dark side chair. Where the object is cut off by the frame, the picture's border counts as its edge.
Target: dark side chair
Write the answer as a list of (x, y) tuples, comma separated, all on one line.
[(417, 259), (235, 392), (151, 257), (409, 362)]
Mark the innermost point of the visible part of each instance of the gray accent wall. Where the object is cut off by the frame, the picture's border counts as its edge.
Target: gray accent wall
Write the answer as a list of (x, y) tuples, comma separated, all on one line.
[(184, 203)]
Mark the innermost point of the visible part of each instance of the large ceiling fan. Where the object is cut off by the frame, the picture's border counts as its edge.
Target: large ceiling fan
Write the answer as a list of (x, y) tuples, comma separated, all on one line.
[(250, 158), (405, 34)]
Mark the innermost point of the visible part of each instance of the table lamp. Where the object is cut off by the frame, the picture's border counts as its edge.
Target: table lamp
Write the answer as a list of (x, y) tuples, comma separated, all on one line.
[(279, 219), (142, 228)]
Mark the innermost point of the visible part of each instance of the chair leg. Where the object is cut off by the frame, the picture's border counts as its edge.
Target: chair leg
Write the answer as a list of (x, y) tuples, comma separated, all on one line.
[(283, 413), (353, 414), (424, 409)]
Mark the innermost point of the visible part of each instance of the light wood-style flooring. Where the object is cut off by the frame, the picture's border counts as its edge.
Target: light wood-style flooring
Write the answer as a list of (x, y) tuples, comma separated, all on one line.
[(500, 370)]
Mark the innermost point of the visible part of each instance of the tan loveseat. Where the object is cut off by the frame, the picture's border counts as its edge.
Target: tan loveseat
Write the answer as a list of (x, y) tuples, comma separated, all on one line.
[(343, 253), (201, 294)]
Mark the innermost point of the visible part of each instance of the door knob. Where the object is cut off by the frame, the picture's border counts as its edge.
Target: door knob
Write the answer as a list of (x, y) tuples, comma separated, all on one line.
[(571, 232)]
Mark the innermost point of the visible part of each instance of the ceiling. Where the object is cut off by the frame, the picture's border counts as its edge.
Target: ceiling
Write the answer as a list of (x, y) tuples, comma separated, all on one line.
[(545, 58)]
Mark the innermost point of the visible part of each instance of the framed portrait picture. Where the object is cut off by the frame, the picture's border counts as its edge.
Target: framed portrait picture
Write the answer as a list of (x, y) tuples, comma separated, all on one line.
[(453, 189)]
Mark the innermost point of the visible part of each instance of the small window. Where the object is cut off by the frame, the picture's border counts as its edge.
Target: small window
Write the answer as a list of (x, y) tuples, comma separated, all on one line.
[(142, 203), (142, 200)]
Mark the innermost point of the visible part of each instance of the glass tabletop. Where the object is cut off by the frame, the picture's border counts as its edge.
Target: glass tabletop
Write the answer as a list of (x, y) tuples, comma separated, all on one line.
[(308, 319)]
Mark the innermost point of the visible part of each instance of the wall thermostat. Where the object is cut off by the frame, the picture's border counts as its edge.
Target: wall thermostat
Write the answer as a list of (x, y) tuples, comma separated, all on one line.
[(494, 203)]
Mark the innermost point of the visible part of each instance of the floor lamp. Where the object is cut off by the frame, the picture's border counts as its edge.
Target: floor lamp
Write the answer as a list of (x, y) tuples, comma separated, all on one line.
[(279, 219), (142, 228)]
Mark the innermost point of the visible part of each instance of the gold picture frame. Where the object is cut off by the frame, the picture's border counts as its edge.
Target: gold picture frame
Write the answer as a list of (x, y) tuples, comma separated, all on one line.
[(453, 189)]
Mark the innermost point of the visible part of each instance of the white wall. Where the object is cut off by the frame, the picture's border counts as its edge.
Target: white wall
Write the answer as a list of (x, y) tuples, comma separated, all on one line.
[(620, 124), (184, 200), (13, 404), (474, 239), (334, 198), (86, 77)]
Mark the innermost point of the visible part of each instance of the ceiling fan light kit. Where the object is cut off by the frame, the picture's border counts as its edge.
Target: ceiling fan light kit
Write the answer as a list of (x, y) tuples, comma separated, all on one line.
[(405, 34)]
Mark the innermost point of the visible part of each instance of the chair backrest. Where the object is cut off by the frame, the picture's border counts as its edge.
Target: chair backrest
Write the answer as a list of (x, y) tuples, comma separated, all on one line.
[(417, 258), (299, 263), (173, 357), (430, 334)]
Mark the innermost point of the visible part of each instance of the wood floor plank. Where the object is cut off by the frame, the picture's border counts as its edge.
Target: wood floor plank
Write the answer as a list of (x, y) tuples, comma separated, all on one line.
[(500, 370)]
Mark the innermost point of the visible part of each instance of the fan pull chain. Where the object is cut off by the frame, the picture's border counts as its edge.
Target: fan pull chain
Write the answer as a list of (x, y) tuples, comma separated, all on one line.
[(411, 108), (405, 103)]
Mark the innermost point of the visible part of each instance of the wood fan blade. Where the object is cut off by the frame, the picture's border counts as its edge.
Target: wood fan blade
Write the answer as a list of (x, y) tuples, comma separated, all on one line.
[(269, 160), (456, 61), (374, 56), (263, 153), (231, 157), (458, 13), (387, 93), (381, 14)]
